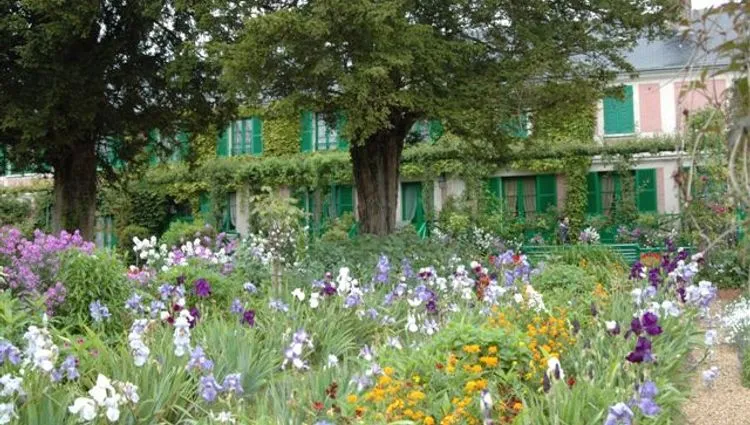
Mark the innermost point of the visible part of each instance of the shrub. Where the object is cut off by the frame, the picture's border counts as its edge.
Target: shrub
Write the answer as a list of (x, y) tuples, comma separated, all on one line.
[(564, 277), (180, 232), (223, 287), (89, 278)]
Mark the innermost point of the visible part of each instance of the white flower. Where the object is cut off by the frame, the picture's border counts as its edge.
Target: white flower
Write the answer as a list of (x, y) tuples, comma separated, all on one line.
[(7, 413), (611, 325), (670, 308), (415, 302), (299, 294), (129, 391), (394, 342), (411, 324), (11, 386), (332, 360), (84, 407), (314, 300), (637, 295), (181, 336), (518, 298), (222, 417), (554, 369)]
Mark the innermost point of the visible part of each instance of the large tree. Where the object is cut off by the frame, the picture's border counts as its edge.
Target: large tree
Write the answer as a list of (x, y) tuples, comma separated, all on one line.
[(388, 63), (85, 81)]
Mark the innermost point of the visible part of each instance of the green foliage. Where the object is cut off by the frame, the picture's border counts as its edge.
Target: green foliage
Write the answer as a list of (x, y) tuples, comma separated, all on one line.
[(88, 278), (180, 232), (223, 287), (745, 358), (15, 211), (74, 102), (564, 278), (340, 228), (281, 130), (26, 211), (15, 317)]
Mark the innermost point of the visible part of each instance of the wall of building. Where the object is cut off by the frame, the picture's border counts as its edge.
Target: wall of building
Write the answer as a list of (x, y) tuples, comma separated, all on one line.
[(658, 101)]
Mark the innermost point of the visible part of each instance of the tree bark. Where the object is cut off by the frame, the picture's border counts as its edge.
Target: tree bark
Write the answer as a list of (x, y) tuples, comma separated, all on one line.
[(376, 165), (74, 206)]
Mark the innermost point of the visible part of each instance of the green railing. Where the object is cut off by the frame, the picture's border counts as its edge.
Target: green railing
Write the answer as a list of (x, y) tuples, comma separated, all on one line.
[(630, 252)]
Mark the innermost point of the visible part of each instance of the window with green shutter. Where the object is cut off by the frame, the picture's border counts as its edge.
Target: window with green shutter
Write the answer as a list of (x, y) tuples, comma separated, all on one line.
[(326, 137), (306, 131), (645, 183), (593, 199), (344, 199), (247, 137), (412, 209), (342, 144), (546, 192), (619, 114)]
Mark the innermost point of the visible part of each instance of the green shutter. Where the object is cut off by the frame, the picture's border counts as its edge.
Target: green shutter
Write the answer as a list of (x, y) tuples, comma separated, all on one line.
[(257, 147), (344, 200), (593, 201), (520, 204), (306, 132), (494, 187), (619, 117), (343, 144), (546, 192), (222, 145), (645, 181), (435, 129)]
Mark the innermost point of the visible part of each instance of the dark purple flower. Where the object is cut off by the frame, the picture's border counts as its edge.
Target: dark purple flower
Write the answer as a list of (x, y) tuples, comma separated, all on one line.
[(195, 314), (202, 288), (431, 306), (329, 289), (654, 277), (635, 271), (650, 323), (642, 351), (181, 279), (681, 292), (249, 317)]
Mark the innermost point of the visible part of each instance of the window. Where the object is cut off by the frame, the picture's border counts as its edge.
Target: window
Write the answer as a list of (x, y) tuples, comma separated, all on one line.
[(326, 138), (318, 135), (337, 201), (619, 116), (604, 191), (426, 130), (525, 197), (246, 137)]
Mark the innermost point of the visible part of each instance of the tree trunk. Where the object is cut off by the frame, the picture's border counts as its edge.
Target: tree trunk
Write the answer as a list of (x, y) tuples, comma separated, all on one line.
[(74, 206), (376, 165)]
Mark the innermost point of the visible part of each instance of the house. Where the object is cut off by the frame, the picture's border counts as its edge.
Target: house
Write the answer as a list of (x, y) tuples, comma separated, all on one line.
[(657, 102)]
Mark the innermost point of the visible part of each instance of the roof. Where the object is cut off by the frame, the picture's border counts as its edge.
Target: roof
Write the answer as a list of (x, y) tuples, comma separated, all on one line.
[(678, 51)]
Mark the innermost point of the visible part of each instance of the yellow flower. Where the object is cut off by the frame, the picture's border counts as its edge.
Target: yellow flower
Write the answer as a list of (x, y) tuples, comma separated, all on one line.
[(517, 406), (450, 369), (476, 368), (416, 395), (492, 349), (351, 398), (384, 380), (416, 379), (388, 371), (471, 349), (490, 361), (429, 421)]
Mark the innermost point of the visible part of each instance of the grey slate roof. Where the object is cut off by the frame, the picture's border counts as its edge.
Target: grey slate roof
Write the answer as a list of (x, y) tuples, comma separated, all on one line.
[(677, 51)]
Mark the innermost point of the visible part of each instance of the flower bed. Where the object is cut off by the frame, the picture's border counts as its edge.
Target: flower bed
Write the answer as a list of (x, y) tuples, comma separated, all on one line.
[(204, 336)]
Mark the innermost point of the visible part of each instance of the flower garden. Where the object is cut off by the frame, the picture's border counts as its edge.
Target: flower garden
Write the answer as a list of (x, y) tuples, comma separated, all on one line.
[(276, 330)]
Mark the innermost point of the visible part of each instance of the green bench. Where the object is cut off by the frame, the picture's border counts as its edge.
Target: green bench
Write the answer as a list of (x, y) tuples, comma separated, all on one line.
[(630, 252)]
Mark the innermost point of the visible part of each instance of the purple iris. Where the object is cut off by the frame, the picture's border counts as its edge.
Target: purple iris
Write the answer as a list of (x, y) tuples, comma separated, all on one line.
[(249, 317), (635, 326), (682, 293), (199, 360), (329, 289), (383, 268), (654, 277), (642, 351), (181, 280), (233, 383), (209, 388), (651, 324), (406, 269), (431, 306), (202, 288), (635, 271), (195, 314), (9, 352), (236, 307)]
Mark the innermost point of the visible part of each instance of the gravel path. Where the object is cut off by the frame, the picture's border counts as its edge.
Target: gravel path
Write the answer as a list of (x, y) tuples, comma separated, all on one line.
[(728, 402)]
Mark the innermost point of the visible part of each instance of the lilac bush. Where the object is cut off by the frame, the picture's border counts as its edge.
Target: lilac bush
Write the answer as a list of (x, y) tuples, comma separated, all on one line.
[(30, 265)]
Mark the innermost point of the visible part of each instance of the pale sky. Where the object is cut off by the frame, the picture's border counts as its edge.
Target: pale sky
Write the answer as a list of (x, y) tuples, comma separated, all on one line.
[(702, 4)]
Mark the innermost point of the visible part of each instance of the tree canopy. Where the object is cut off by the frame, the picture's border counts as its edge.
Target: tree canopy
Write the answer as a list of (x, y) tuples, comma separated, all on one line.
[(85, 81), (385, 64)]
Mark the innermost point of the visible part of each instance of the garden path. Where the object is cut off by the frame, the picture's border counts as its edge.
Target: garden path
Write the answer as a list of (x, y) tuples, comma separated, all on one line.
[(728, 402)]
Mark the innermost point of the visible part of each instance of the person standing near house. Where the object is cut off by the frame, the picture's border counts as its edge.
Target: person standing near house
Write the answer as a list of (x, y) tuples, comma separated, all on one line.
[(563, 227)]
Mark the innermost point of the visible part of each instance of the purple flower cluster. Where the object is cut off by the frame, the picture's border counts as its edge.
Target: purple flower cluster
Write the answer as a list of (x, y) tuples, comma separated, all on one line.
[(68, 369), (208, 387), (645, 399), (9, 353), (383, 269), (202, 288), (32, 264), (99, 312)]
